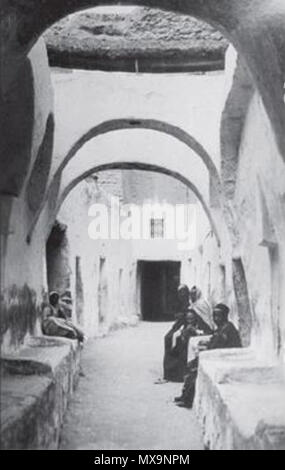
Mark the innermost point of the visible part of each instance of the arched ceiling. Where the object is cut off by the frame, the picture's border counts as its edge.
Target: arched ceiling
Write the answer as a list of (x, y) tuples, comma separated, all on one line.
[(210, 180)]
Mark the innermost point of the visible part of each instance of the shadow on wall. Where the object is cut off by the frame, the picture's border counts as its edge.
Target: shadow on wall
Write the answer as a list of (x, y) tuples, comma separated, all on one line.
[(79, 293), (103, 293), (6, 207), (39, 177), (243, 302), (16, 123)]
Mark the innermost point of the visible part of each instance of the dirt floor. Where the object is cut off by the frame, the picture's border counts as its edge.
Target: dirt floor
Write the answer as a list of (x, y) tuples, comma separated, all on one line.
[(117, 404)]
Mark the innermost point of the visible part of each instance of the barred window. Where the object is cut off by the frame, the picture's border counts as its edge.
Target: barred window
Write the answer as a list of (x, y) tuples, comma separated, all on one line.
[(157, 228)]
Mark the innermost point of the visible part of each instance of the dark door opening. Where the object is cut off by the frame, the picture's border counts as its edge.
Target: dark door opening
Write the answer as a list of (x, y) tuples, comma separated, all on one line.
[(159, 283)]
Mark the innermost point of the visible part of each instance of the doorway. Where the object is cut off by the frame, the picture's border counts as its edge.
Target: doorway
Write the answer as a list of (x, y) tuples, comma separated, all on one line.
[(159, 283)]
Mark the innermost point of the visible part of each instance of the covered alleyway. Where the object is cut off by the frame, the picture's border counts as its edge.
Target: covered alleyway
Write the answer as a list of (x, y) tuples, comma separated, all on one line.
[(169, 102), (117, 404)]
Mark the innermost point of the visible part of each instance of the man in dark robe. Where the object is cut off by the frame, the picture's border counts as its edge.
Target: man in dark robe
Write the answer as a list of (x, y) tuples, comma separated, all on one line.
[(187, 324), (225, 336)]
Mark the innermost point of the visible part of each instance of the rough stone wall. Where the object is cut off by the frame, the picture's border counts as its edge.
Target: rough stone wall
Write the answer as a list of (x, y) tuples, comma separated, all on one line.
[(22, 273), (259, 202), (139, 186), (149, 37), (112, 183)]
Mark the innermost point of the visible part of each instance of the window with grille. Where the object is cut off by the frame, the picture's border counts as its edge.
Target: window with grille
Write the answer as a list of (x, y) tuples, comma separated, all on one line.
[(157, 228)]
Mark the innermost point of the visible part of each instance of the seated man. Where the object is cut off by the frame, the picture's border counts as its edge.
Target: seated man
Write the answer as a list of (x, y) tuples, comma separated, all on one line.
[(188, 324), (225, 336), (201, 306), (54, 322)]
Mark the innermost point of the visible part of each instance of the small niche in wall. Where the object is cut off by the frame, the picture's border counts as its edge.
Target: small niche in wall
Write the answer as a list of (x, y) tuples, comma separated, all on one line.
[(267, 232), (223, 287), (57, 256), (275, 298)]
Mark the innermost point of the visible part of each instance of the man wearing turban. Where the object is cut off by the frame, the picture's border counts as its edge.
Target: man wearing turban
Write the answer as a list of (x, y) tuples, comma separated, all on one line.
[(225, 336)]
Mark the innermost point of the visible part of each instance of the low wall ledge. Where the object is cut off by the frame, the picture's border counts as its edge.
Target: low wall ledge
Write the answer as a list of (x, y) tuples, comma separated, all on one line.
[(240, 401), (36, 385)]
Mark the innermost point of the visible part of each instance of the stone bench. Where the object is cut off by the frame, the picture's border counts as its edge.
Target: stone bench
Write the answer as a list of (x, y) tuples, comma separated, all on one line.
[(240, 402), (36, 385)]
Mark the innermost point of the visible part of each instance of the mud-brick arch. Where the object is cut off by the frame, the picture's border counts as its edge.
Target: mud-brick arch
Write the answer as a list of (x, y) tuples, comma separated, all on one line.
[(110, 126), (154, 125)]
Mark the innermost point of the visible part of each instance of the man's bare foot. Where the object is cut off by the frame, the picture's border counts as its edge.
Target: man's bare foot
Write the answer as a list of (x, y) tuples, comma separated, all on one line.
[(182, 404), (161, 382)]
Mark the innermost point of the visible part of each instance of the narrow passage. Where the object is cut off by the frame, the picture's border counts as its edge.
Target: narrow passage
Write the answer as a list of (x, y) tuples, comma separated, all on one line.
[(117, 404)]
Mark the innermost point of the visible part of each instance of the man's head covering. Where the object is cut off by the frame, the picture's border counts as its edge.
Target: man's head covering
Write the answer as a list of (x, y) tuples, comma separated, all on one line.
[(224, 309), (200, 306), (183, 287), (53, 298), (195, 291)]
